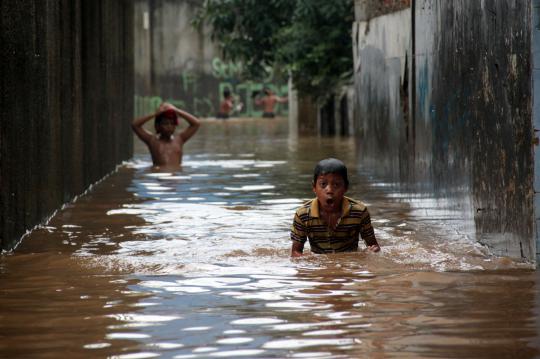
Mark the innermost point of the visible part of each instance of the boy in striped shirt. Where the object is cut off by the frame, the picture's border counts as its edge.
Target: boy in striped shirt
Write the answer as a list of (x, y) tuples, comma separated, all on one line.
[(331, 221)]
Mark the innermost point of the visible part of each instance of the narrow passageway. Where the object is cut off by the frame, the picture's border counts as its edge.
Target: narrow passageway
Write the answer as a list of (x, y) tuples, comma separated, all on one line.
[(111, 249), (196, 264)]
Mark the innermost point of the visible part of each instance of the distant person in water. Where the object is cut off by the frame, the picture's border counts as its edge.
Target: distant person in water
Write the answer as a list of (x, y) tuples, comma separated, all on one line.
[(166, 147), (226, 107), (268, 102), (331, 221)]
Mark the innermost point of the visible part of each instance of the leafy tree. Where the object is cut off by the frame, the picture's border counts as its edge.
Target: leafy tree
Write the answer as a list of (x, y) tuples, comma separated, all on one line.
[(310, 39)]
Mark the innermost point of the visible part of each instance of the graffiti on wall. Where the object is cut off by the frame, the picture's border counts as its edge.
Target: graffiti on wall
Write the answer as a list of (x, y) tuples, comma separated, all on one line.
[(201, 92)]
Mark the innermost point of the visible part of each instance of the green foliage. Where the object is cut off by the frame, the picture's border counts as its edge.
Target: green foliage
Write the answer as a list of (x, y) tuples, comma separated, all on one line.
[(310, 39)]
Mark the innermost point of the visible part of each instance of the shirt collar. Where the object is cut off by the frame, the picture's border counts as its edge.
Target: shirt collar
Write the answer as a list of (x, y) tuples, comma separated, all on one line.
[(345, 207)]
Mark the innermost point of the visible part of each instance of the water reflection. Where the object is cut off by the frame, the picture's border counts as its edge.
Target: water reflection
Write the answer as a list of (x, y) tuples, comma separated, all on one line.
[(195, 264)]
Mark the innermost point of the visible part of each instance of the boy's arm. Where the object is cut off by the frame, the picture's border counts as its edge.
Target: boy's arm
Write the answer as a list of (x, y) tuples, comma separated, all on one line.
[(137, 124), (368, 234), (298, 237), (282, 99), (297, 249), (193, 121)]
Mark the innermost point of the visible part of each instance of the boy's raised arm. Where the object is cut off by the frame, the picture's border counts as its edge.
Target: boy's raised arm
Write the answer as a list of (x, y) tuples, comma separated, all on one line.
[(282, 99), (137, 124), (193, 121)]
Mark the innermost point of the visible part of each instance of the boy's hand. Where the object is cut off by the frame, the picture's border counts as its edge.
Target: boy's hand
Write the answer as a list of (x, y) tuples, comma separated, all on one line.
[(164, 107), (374, 248), (297, 249)]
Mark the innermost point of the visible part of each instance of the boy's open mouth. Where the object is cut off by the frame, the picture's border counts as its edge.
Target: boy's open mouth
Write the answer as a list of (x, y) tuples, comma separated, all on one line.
[(329, 201)]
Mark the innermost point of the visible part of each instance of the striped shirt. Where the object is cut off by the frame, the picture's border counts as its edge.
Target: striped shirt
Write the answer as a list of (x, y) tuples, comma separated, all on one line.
[(354, 221)]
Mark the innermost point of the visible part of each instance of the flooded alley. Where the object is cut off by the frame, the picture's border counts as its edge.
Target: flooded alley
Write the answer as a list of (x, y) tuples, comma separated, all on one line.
[(196, 264)]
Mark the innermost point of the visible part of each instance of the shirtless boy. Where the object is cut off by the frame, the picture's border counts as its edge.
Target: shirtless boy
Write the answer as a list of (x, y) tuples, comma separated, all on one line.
[(331, 221), (226, 106), (268, 102), (166, 147)]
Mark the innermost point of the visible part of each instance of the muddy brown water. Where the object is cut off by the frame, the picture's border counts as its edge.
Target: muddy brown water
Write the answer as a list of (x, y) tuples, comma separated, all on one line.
[(195, 264)]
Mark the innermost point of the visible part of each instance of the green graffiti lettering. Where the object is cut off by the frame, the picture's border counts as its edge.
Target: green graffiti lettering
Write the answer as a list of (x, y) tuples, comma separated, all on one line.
[(155, 102), (203, 107), (247, 89), (244, 93), (189, 81), (216, 67), (234, 68), (145, 105), (178, 103), (222, 70)]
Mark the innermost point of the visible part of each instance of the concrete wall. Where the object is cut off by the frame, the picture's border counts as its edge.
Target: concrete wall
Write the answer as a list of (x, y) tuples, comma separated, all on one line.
[(461, 127), (381, 73), (335, 116), (67, 101), (180, 64), (535, 38)]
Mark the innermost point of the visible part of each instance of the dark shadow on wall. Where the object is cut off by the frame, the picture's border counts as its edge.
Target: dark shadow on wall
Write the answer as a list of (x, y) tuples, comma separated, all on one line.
[(67, 101)]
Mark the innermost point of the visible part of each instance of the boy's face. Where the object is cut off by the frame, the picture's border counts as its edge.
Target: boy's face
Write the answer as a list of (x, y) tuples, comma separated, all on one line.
[(330, 189), (166, 127)]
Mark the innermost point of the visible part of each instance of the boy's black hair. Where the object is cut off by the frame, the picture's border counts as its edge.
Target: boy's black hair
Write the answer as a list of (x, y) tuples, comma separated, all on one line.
[(226, 93), (165, 115), (331, 165)]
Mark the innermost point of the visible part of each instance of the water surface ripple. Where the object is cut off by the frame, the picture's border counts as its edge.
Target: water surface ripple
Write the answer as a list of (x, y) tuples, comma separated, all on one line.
[(195, 264)]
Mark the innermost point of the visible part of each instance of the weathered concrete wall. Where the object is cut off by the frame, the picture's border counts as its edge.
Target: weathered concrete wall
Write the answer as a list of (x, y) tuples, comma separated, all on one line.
[(335, 116), (180, 64), (381, 73), (468, 136), (535, 38), (67, 101), (481, 130)]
